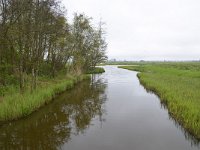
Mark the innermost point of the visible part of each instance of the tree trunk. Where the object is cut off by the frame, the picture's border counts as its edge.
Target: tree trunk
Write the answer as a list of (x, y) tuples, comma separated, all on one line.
[(21, 79)]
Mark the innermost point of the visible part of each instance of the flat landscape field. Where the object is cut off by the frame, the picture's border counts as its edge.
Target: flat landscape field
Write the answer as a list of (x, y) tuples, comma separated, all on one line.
[(178, 86)]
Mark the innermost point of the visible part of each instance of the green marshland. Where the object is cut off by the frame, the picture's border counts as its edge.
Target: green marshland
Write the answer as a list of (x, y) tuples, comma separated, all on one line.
[(178, 86)]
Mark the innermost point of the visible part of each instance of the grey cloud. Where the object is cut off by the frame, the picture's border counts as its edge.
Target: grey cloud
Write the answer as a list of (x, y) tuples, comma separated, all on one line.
[(144, 29)]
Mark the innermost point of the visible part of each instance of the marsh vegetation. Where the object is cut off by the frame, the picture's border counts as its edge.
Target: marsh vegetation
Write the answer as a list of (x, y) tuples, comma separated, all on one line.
[(178, 86), (40, 50)]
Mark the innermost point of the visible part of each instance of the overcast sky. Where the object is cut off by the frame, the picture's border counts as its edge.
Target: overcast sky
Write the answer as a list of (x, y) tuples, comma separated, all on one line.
[(146, 29)]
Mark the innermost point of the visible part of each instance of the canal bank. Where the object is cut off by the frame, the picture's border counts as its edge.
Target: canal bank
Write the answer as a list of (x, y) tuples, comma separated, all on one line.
[(177, 86), (111, 112), (15, 105)]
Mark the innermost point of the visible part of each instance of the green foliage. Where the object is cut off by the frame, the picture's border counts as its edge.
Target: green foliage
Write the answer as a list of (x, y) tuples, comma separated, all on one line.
[(95, 70), (37, 40), (44, 69), (90, 44), (37, 45), (177, 85)]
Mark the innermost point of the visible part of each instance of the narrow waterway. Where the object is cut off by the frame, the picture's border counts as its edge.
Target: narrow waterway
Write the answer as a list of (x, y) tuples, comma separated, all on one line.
[(110, 112)]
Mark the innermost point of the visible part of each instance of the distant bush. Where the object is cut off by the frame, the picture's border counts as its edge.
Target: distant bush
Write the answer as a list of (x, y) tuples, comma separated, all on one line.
[(96, 70)]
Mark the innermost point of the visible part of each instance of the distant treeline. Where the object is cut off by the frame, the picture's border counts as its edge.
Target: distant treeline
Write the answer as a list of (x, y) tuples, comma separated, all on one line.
[(36, 39), (141, 62)]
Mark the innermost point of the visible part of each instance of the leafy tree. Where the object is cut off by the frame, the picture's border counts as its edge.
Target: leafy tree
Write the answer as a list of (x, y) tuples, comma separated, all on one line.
[(36, 39)]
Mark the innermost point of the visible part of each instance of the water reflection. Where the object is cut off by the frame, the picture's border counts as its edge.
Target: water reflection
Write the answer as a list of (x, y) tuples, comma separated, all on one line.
[(135, 119), (188, 136), (52, 126)]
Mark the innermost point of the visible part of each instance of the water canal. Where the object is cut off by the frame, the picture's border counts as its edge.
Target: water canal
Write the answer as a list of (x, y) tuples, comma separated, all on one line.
[(110, 112)]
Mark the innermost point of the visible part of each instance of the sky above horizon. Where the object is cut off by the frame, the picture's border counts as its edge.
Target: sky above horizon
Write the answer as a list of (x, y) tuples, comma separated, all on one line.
[(144, 29)]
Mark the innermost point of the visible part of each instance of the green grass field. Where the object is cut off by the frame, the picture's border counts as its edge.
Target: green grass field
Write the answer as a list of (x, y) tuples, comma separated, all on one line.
[(178, 86), (14, 105)]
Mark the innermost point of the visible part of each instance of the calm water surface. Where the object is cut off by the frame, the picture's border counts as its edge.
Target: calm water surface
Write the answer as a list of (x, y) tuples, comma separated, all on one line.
[(111, 112)]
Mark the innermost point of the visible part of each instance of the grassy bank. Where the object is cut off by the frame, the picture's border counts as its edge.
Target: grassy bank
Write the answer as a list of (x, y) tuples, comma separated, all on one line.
[(96, 70), (178, 86), (15, 105)]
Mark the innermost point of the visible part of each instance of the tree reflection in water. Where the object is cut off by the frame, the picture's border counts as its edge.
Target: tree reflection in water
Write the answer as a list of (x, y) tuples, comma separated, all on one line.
[(53, 125)]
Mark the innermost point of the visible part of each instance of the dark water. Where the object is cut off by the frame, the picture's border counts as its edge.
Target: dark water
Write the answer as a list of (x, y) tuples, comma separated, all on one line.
[(112, 112)]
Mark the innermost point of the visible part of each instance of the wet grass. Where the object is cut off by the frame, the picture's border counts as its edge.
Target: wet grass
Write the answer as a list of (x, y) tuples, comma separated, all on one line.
[(16, 105), (178, 86)]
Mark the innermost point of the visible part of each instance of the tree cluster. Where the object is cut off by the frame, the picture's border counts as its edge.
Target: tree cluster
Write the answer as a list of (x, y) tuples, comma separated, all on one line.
[(37, 39)]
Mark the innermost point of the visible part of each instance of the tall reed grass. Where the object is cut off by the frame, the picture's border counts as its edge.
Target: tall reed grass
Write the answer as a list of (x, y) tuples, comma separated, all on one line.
[(18, 105)]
